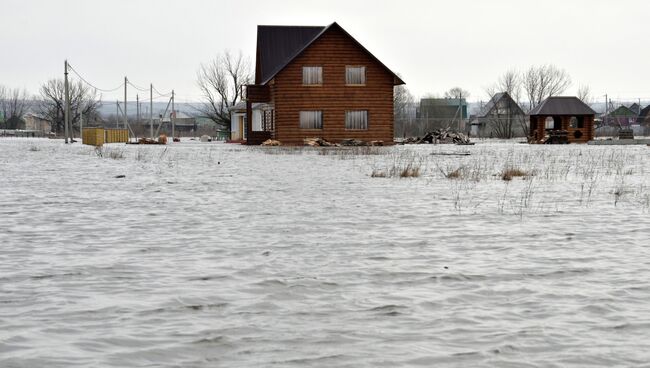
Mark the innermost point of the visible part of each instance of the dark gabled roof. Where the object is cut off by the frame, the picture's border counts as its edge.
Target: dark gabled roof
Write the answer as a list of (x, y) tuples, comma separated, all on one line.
[(441, 108), (487, 109), (643, 115), (277, 46), (562, 105), (490, 105), (622, 111), (425, 102)]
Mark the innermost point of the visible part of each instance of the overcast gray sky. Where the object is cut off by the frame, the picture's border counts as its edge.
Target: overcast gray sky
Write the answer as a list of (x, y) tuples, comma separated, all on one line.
[(434, 45)]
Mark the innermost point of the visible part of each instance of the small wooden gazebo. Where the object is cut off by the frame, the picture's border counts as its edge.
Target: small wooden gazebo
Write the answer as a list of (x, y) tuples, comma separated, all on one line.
[(562, 113)]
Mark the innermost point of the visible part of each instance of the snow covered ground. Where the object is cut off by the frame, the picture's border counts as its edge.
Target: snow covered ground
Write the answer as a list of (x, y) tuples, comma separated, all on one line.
[(208, 254)]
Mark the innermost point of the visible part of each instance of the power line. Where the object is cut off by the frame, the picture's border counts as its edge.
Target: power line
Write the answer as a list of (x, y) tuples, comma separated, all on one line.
[(138, 88), (161, 94), (90, 84)]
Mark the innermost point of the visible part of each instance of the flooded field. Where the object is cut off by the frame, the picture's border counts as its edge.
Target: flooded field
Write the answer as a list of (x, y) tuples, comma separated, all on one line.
[(208, 254)]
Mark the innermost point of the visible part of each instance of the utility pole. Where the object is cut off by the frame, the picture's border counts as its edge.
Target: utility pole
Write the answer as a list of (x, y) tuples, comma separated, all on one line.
[(125, 118), (137, 108), (151, 109), (117, 114), (66, 112), (460, 108), (172, 116), (606, 110), (81, 122)]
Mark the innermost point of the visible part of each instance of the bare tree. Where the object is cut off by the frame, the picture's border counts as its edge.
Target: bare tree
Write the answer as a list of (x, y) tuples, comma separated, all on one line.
[(503, 118), (510, 82), (83, 99), (456, 92), (13, 104), (541, 82), (584, 94), (505, 114), (3, 116), (403, 101), (221, 81)]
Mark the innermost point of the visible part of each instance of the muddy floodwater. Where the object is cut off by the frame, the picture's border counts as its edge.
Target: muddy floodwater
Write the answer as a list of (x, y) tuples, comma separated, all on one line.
[(220, 255)]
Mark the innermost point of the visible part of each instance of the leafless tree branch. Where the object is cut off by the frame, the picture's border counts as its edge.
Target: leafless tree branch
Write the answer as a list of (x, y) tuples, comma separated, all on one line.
[(220, 82), (83, 99)]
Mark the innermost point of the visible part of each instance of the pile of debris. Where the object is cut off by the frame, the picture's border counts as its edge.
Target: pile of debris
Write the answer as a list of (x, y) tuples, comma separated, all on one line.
[(444, 136), (271, 142), (318, 142), (552, 137), (625, 133), (162, 139), (348, 142)]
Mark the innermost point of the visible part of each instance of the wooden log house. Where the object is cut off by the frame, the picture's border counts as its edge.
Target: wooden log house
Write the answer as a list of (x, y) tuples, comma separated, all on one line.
[(563, 113), (318, 82)]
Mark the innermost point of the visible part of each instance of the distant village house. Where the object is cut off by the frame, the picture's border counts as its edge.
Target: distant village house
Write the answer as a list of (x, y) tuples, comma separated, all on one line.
[(435, 113), (501, 117)]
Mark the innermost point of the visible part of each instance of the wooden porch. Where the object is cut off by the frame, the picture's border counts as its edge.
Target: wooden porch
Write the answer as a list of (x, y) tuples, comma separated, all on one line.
[(256, 93)]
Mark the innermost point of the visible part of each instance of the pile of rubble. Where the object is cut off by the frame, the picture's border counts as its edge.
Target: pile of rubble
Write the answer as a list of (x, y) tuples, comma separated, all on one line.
[(348, 142), (321, 142), (440, 136), (271, 142), (552, 137), (318, 142), (162, 139)]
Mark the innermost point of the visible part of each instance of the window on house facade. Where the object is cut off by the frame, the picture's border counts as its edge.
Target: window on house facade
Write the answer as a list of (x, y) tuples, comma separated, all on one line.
[(312, 75), (357, 120), (355, 75), (311, 120)]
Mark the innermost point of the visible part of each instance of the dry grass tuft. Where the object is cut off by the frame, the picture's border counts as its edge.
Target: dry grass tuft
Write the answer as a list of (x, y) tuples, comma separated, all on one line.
[(114, 153), (508, 174), (456, 174), (401, 165), (410, 171), (378, 174)]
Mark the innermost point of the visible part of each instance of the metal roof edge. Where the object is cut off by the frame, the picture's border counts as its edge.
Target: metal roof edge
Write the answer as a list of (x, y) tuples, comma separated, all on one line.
[(325, 29)]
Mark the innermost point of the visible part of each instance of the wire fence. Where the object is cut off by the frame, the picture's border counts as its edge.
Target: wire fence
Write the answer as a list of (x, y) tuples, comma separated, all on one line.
[(494, 127)]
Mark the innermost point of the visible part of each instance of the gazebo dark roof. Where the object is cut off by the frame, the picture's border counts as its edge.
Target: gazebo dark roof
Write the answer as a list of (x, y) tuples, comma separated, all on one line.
[(562, 105), (277, 46)]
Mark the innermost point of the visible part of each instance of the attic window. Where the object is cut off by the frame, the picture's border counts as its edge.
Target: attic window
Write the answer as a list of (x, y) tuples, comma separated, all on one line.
[(355, 75), (312, 75)]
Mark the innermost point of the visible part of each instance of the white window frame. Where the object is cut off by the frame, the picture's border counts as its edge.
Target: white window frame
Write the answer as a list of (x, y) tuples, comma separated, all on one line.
[(349, 70), (312, 75), (311, 119), (356, 120)]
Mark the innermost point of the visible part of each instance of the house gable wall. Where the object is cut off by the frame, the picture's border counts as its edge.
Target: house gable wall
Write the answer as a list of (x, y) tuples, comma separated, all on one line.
[(334, 50)]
